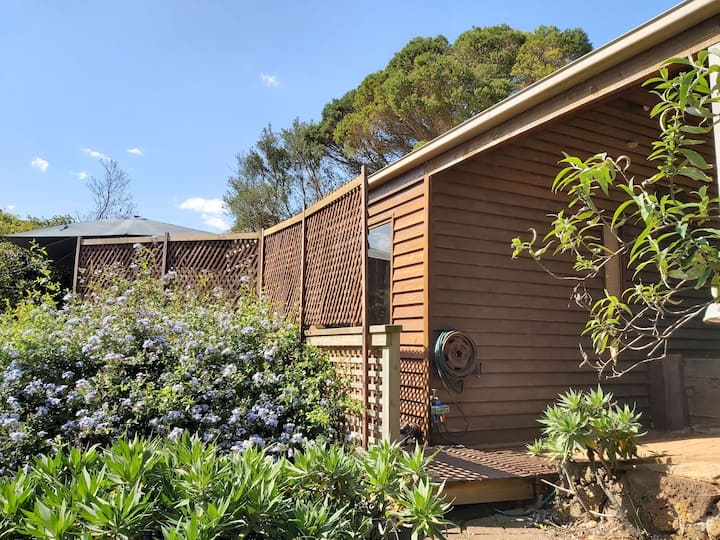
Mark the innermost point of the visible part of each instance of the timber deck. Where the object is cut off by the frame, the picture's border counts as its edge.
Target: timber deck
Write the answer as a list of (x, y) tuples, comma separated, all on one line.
[(474, 476)]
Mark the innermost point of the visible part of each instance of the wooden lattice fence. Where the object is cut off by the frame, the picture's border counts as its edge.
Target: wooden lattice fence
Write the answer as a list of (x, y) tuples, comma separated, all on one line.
[(312, 263), (95, 257), (282, 267), (311, 267), (228, 262), (344, 346)]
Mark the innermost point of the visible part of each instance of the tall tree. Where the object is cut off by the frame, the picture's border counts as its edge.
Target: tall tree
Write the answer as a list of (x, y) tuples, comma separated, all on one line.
[(546, 50), (110, 192), (430, 86), (427, 88), (283, 173)]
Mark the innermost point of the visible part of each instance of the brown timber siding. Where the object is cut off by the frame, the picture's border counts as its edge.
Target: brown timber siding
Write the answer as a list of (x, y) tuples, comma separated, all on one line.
[(402, 202), (525, 328)]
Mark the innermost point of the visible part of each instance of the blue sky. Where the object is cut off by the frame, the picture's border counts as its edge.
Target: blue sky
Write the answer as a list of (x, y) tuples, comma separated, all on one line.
[(173, 89)]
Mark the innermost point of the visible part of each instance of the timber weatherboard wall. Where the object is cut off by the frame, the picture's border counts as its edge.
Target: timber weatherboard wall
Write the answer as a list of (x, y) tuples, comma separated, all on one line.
[(401, 203), (525, 329), (520, 318)]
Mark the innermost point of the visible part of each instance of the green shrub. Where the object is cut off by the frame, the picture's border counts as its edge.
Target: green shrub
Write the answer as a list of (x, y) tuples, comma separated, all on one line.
[(142, 356), (22, 273), (188, 489), (589, 422)]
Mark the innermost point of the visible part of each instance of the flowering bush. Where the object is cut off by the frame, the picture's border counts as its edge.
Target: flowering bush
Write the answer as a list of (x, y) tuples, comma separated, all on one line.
[(143, 356)]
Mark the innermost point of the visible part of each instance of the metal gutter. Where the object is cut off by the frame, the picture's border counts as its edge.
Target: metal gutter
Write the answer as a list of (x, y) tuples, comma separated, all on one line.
[(653, 32)]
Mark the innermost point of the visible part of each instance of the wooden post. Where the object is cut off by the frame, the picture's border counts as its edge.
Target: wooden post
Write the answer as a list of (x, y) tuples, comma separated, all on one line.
[(303, 247), (391, 384), (668, 400), (260, 262), (428, 270), (365, 303), (78, 244), (163, 264)]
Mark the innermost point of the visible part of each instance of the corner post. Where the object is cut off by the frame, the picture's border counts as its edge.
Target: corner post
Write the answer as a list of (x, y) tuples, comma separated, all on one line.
[(303, 264), (365, 304), (164, 263), (390, 362), (76, 270), (260, 262)]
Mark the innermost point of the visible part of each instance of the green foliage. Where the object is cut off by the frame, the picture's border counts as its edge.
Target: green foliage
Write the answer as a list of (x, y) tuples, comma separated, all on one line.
[(545, 50), (426, 88), (11, 224), (139, 355), (588, 422), (431, 86), (189, 489), (24, 274), (283, 173), (672, 247)]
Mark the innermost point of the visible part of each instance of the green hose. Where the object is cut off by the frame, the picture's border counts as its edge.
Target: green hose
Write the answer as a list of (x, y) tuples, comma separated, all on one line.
[(450, 345)]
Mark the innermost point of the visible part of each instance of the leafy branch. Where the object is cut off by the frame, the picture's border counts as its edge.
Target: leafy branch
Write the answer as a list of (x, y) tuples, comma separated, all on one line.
[(662, 228)]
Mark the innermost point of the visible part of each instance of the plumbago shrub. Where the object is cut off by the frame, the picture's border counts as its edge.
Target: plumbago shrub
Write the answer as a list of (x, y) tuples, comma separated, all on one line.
[(140, 356), (188, 489)]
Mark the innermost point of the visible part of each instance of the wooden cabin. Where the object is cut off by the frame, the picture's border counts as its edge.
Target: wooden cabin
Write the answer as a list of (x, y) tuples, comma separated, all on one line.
[(451, 209), (438, 253)]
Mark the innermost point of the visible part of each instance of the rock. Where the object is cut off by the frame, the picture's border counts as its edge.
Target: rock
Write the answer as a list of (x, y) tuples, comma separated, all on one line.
[(712, 527)]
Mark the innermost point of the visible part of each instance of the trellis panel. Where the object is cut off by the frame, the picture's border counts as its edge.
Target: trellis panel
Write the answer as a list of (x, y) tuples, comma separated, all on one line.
[(95, 260), (282, 261), (333, 273), (230, 264)]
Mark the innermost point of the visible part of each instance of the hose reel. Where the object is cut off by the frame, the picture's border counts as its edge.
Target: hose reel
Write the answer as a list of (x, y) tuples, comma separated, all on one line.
[(455, 359)]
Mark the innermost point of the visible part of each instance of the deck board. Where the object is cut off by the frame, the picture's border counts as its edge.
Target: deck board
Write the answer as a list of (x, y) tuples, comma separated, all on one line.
[(474, 476)]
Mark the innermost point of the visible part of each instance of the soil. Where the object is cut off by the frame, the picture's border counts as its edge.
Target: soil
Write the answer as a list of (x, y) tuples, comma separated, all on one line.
[(681, 482), (509, 528)]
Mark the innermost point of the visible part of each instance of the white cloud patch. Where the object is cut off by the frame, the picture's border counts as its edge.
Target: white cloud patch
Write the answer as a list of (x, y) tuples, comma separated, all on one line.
[(215, 222), (135, 151), (271, 81), (94, 153), (40, 164), (212, 211), (81, 175), (9, 208)]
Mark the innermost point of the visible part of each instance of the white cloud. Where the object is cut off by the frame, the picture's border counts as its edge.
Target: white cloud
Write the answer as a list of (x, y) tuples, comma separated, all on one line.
[(270, 81), (212, 211), (9, 207), (94, 153), (81, 175), (208, 206), (40, 164), (215, 222), (136, 151)]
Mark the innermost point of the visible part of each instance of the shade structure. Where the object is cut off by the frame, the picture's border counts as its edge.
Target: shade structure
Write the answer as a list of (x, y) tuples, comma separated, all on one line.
[(60, 241)]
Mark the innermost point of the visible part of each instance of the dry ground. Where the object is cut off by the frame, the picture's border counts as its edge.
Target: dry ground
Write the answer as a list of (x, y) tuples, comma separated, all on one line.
[(687, 455)]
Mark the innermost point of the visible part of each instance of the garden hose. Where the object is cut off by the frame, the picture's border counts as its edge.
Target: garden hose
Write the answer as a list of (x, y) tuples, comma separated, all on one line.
[(454, 357)]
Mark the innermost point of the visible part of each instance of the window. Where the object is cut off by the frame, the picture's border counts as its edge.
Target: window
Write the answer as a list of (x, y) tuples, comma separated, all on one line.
[(379, 255)]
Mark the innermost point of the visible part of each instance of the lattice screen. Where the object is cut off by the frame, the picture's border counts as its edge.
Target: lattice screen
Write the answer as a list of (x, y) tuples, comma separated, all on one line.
[(230, 264), (333, 273), (96, 259), (349, 365), (414, 384), (282, 256)]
